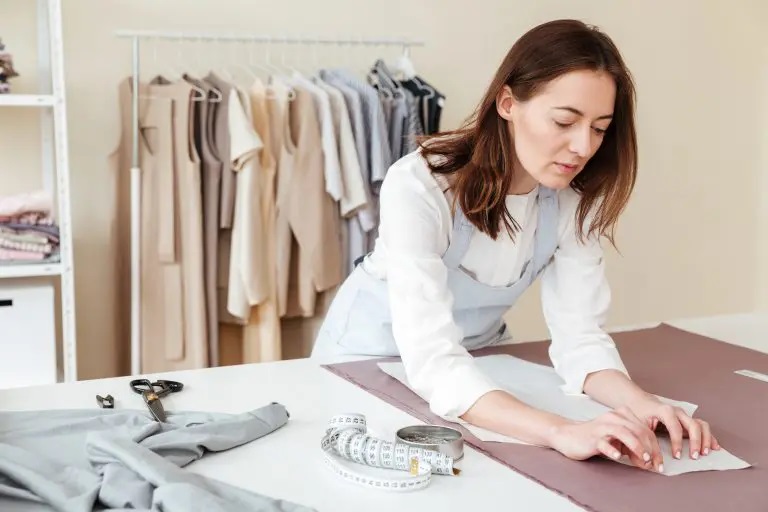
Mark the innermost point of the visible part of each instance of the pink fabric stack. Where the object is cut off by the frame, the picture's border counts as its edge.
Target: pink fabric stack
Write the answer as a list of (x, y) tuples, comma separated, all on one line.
[(28, 233)]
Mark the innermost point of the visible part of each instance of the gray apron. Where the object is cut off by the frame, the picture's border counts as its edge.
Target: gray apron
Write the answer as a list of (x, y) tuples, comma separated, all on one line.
[(359, 321)]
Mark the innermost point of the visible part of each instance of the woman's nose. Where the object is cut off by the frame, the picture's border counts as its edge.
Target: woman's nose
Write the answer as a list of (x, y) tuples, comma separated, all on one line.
[(581, 142)]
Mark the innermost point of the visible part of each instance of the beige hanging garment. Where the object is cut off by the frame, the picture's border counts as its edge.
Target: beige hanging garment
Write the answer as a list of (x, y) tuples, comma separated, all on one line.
[(172, 292), (284, 149), (248, 280), (313, 214), (221, 127), (210, 169), (262, 338)]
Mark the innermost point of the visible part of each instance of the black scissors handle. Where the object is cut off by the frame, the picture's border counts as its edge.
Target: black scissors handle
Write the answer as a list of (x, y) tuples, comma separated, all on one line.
[(141, 386)]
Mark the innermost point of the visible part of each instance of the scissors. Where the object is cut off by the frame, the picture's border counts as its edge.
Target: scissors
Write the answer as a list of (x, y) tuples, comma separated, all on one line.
[(151, 395)]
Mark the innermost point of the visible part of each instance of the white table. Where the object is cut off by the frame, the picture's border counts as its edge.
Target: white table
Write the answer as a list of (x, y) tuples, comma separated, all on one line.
[(288, 463)]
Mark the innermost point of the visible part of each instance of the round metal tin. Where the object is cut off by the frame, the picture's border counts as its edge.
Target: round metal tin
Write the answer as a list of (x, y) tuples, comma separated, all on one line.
[(433, 437)]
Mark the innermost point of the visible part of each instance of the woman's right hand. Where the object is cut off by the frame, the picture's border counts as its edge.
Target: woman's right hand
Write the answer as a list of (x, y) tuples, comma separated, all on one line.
[(613, 434)]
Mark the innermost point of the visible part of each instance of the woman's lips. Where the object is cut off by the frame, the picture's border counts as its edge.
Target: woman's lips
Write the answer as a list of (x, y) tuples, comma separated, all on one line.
[(566, 168)]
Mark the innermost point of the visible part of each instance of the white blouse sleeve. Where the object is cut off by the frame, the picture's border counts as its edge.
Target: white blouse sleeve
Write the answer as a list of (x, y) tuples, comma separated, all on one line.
[(413, 234), (575, 299)]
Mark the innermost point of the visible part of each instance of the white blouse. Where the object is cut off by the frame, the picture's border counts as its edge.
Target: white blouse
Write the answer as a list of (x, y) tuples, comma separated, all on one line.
[(414, 232)]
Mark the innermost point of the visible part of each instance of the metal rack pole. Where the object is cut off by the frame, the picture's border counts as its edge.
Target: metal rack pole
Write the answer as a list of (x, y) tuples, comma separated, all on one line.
[(135, 220), (264, 38)]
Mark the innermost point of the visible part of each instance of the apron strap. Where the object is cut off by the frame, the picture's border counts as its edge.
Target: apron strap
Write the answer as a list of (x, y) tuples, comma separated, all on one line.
[(460, 238), (545, 239)]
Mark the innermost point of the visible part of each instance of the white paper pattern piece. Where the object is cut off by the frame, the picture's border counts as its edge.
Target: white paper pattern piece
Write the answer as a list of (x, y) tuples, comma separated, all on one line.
[(539, 386), (752, 374)]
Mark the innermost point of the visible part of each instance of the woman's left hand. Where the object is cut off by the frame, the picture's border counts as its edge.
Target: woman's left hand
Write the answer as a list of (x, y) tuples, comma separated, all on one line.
[(678, 423)]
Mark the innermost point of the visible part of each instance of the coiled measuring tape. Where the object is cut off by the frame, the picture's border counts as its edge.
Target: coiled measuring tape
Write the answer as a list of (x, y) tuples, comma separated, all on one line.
[(346, 437)]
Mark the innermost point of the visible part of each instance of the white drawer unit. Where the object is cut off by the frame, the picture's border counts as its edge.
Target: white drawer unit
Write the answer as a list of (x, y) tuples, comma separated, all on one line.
[(27, 333)]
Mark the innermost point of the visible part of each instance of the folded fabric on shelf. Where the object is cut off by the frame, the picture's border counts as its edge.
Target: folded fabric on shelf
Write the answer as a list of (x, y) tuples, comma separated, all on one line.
[(28, 232)]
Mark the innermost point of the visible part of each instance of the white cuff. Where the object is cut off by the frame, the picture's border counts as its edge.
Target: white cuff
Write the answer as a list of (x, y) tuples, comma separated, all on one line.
[(574, 368), (459, 390)]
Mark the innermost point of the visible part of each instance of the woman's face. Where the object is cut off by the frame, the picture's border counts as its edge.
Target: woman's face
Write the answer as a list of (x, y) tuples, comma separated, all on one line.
[(556, 132)]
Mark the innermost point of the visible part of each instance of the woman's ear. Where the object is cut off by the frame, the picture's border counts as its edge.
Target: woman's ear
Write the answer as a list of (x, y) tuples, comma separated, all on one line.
[(505, 103)]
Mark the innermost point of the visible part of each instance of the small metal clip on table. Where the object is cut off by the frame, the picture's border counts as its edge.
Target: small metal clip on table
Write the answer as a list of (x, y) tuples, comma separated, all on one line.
[(105, 402)]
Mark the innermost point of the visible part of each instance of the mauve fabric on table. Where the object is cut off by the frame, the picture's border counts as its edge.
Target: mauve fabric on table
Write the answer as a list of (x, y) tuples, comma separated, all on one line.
[(663, 360)]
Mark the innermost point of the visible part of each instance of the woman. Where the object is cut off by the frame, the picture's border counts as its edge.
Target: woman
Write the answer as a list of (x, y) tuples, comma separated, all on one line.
[(525, 189)]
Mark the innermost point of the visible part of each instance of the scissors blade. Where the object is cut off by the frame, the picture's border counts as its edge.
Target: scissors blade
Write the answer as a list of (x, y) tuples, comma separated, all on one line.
[(155, 406)]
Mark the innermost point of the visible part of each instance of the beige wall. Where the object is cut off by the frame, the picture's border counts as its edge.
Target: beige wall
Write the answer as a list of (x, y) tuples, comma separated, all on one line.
[(689, 239)]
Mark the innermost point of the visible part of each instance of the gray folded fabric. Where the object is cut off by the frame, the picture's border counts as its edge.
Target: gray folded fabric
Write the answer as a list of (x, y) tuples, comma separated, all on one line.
[(104, 459)]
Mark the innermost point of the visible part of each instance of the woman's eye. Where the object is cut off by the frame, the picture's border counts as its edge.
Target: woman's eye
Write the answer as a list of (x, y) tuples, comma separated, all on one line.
[(599, 131), (563, 125)]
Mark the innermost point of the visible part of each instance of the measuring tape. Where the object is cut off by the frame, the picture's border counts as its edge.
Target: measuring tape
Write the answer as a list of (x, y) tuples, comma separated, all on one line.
[(346, 437)]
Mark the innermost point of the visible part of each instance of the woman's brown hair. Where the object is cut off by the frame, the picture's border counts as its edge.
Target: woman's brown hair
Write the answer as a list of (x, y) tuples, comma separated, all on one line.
[(479, 155)]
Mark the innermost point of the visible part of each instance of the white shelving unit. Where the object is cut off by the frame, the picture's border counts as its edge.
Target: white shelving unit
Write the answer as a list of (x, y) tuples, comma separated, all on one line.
[(55, 169), (27, 100)]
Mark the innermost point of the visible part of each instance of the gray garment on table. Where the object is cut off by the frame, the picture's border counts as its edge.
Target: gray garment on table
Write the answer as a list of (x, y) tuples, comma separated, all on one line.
[(103, 459)]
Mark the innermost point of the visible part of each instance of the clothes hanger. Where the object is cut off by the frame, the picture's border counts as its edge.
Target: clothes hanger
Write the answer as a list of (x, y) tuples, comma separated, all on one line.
[(386, 76), (346, 50), (239, 65), (223, 68), (253, 63), (218, 96), (277, 71), (313, 61), (347, 62), (201, 94), (362, 57), (274, 69), (404, 64), (190, 78), (152, 42)]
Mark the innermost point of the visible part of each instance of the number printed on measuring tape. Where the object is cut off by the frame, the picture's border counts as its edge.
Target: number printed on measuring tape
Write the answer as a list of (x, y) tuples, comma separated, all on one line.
[(346, 437)]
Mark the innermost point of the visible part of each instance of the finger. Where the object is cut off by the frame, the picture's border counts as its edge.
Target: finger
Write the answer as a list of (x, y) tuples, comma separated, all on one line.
[(639, 429), (657, 458), (629, 440), (633, 459), (636, 461), (693, 427), (715, 443), (706, 437), (609, 450), (670, 421)]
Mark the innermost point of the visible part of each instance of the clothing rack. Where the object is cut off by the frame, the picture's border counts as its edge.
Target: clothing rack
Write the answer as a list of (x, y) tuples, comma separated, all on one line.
[(135, 203)]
